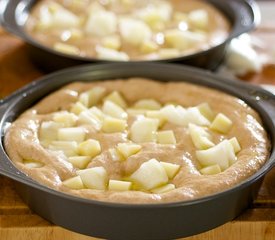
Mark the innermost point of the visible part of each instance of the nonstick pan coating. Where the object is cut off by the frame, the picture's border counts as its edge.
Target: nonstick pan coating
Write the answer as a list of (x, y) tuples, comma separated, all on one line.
[(133, 221), (243, 15)]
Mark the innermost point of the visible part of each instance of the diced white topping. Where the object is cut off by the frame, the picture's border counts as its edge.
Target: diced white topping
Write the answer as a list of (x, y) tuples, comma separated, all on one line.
[(128, 149), (181, 116), (74, 183), (88, 117), (156, 14), (221, 123), (45, 18), (95, 7), (206, 111), (48, 131), (116, 97), (69, 148), (101, 23), (183, 40), (136, 112), (149, 104), (166, 137), (200, 137), (71, 134), (134, 31), (115, 154), (222, 154), (54, 15), (114, 110), (94, 178), (159, 11), (144, 130), (72, 34), (97, 112), (163, 189), (80, 161), (63, 18), (193, 115), (111, 54), (90, 148), (112, 42), (158, 115), (65, 118), (148, 46), (149, 175), (171, 114), (211, 170), (113, 125), (165, 9), (84, 99), (236, 145), (93, 96), (199, 19), (66, 48), (116, 185), (77, 108), (171, 169)]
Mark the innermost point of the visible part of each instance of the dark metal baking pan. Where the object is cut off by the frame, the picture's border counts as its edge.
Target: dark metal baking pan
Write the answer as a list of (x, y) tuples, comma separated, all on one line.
[(243, 15), (136, 221)]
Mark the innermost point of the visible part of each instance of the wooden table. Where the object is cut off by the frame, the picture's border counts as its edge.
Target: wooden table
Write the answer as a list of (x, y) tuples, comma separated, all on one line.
[(18, 222)]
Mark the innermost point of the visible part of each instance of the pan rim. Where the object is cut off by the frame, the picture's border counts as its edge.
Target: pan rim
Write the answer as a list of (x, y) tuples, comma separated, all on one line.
[(26, 5), (28, 89)]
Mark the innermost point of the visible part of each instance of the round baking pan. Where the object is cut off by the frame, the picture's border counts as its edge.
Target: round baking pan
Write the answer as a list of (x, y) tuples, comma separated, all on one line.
[(136, 221), (243, 15)]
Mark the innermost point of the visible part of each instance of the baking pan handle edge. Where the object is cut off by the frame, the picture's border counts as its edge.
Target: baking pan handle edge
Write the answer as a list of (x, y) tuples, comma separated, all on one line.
[(8, 170), (8, 18), (247, 15), (6, 167)]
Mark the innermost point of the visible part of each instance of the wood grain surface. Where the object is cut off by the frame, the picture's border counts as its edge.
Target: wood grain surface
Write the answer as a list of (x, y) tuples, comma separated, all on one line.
[(17, 222)]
